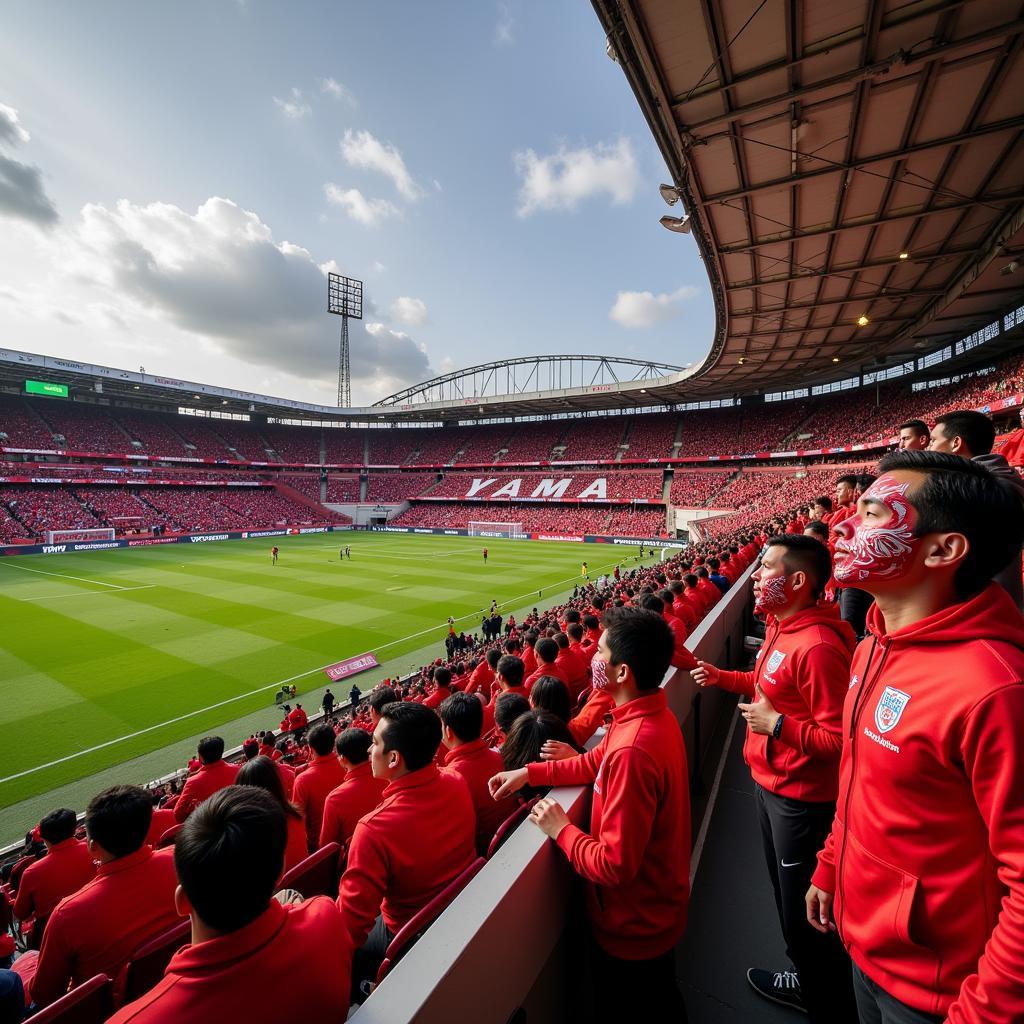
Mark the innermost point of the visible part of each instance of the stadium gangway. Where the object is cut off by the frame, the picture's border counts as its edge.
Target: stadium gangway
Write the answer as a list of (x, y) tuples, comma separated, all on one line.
[(507, 942)]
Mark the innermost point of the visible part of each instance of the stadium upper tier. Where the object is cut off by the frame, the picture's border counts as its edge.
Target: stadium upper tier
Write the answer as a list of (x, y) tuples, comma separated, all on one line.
[(858, 416)]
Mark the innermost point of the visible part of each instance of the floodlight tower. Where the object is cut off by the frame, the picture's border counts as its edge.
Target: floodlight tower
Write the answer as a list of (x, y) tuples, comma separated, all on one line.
[(345, 299)]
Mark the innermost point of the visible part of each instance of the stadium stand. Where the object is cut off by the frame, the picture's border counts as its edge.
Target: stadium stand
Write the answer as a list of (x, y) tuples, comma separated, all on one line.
[(344, 447), (696, 488), (397, 486)]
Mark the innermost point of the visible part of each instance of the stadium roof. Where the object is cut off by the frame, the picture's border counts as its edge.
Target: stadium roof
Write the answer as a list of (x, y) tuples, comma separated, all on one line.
[(836, 161)]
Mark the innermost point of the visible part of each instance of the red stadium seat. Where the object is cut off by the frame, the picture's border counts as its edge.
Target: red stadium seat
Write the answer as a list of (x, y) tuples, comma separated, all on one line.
[(508, 826), (167, 839), (147, 964), (92, 1002), (317, 875), (407, 936)]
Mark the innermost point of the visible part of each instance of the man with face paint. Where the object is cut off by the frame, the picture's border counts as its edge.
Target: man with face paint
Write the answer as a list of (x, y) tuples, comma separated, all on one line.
[(923, 872), (636, 858), (793, 743)]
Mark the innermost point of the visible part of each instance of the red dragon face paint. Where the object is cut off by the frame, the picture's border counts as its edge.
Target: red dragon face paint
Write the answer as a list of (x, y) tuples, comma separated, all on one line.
[(878, 552), (599, 673), (770, 595)]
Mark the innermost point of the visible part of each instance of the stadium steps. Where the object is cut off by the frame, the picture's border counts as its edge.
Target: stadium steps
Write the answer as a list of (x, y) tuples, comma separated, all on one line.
[(677, 441), (34, 412), (298, 497), (437, 480)]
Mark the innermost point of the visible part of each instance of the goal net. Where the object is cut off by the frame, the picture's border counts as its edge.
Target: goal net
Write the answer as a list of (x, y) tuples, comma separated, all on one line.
[(57, 536), (514, 531)]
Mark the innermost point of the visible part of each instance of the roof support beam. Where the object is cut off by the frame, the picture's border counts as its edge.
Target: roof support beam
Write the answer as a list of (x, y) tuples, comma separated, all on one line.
[(893, 296), (834, 167), (1016, 197), (945, 51)]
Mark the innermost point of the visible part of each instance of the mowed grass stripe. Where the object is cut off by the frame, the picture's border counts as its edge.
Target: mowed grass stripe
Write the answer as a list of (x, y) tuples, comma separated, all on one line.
[(137, 659)]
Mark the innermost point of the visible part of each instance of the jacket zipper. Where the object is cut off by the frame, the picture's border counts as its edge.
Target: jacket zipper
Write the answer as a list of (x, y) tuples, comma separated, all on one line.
[(865, 689)]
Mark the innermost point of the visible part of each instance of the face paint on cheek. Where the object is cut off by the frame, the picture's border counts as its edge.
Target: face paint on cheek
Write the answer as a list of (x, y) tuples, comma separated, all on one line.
[(771, 595), (599, 672), (881, 552)]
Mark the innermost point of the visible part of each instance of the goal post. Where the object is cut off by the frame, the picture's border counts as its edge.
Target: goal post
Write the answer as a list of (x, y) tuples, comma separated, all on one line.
[(513, 531), (61, 536)]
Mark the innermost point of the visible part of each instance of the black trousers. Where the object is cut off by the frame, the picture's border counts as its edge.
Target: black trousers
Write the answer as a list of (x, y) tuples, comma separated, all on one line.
[(853, 608), (792, 832), (368, 957), (876, 1006), (635, 990)]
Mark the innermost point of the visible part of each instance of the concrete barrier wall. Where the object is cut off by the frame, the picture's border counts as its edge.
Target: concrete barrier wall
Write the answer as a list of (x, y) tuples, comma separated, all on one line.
[(502, 944)]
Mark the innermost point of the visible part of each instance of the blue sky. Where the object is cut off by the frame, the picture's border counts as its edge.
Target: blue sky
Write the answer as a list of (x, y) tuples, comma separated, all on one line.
[(176, 178)]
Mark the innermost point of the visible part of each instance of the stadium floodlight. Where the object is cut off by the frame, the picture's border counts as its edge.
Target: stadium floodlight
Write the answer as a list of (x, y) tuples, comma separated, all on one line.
[(681, 225), (344, 299), (670, 194)]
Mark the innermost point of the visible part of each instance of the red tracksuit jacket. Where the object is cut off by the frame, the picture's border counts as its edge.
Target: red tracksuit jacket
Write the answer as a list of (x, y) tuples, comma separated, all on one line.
[(208, 780), (804, 668), (292, 963), (926, 854), (636, 857)]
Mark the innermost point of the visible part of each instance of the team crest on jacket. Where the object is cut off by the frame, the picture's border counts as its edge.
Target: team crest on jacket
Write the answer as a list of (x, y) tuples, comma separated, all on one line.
[(775, 661), (890, 707)]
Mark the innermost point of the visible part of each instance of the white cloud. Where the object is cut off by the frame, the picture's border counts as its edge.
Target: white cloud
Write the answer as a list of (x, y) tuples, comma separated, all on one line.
[(295, 106), (362, 149), (559, 181), (366, 211), (635, 310), (332, 87), (219, 276), (11, 128), (377, 267), (22, 194), (409, 311), (504, 30)]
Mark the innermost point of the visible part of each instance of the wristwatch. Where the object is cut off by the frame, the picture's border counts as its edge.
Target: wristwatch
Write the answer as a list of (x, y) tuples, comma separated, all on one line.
[(777, 730)]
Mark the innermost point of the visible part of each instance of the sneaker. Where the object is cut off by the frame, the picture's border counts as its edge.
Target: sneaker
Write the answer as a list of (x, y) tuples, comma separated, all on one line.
[(778, 986)]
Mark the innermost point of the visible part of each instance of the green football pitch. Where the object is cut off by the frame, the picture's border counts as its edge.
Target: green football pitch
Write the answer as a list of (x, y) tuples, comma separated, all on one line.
[(106, 655)]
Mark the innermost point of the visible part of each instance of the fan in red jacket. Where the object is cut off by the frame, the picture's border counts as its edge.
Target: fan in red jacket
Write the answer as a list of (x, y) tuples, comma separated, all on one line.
[(357, 795), (636, 857), (682, 656), (322, 775), (794, 715), (462, 719), (130, 900), (214, 773), (924, 868), (248, 952), (419, 838), (67, 866)]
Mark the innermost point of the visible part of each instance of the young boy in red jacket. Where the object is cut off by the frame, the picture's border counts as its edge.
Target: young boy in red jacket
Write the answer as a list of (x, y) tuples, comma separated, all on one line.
[(636, 858), (248, 952), (923, 872), (796, 694)]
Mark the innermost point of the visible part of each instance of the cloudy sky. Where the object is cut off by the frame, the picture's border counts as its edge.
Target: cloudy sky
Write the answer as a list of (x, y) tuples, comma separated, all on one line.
[(177, 179)]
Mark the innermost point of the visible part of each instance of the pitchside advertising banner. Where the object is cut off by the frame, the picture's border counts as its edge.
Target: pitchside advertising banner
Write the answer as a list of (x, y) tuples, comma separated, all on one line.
[(647, 542), (351, 667)]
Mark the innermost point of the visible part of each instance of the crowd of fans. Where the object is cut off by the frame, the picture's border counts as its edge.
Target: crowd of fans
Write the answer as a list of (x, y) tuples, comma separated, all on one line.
[(537, 517), (695, 488), (855, 804)]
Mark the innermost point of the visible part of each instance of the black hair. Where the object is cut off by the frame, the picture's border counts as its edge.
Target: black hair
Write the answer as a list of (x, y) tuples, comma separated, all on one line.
[(493, 656), (58, 825), (575, 632), (919, 427), (975, 429), (263, 773), (652, 603), (250, 748), (547, 649), (511, 669), (353, 744), (848, 478), (825, 502), (443, 676), (118, 819), (642, 640), (550, 694), (210, 749), (562, 640), (411, 729), (507, 708), (864, 481), (691, 579), (961, 496), (818, 528), (381, 696), (229, 855), (321, 738), (464, 715), (529, 733), (805, 554), (591, 621)]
